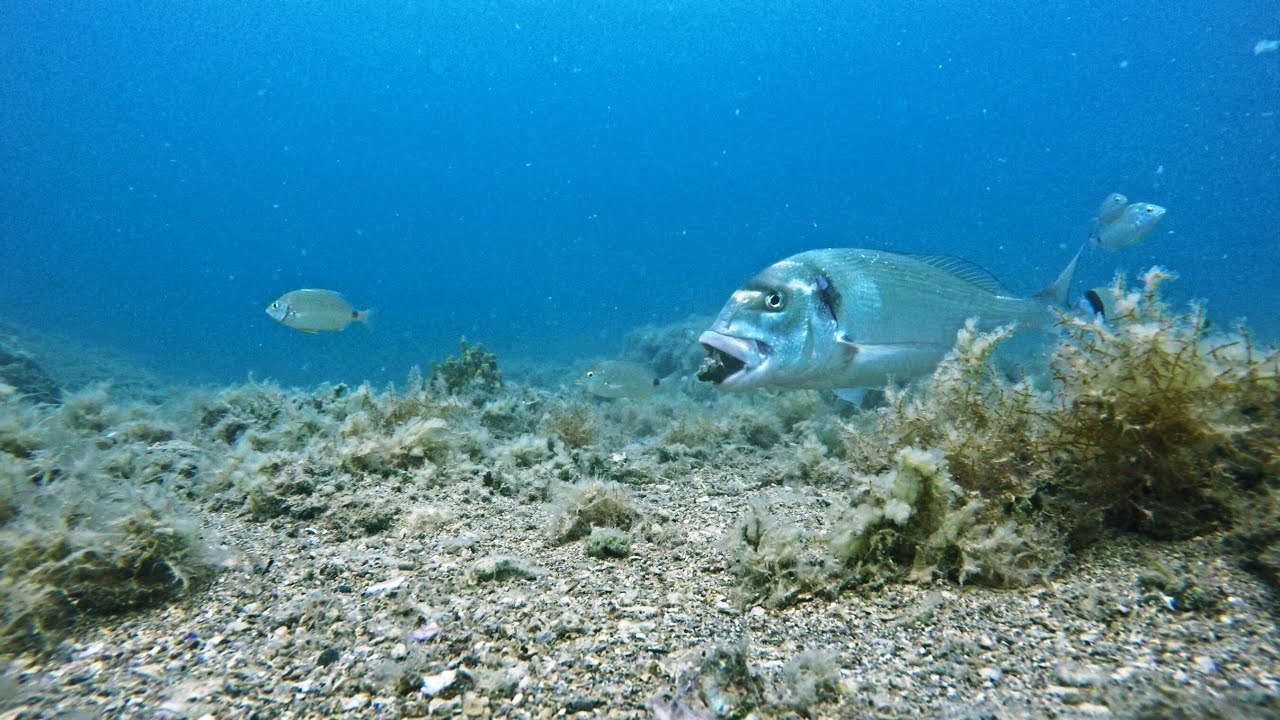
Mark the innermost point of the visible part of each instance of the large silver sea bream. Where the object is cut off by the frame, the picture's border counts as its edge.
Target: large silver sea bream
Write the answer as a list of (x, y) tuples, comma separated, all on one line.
[(846, 318)]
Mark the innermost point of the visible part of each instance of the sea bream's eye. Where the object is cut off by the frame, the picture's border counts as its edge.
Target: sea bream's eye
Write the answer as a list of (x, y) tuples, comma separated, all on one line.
[(591, 374), (774, 300)]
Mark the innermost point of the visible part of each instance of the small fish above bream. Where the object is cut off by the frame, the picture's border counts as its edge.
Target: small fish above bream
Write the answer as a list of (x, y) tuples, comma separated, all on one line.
[(312, 310), (614, 379), (848, 318), (1111, 209), (1128, 227)]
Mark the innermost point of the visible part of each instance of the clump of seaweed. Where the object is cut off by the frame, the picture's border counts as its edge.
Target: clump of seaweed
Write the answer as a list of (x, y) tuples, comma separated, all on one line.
[(608, 542), (720, 682), (968, 410), (1159, 424), (1256, 535), (87, 522), (63, 559), (1184, 588), (87, 410), (698, 432), (266, 417), (514, 412), (524, 451), (593, 504), (406, 447), (21, 428), (909, 516), (499, 568), (810, 461), (757, 429), (335, 452), (474, 370), (777, 563), (911, 520), (1153, 424), (809, 679), (574, 425)]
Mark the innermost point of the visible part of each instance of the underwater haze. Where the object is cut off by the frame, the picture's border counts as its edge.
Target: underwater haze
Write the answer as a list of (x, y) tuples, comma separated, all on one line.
[(544, 177)]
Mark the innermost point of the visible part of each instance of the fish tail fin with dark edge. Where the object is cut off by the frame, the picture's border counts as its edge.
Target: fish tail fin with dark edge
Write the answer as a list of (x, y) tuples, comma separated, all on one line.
[(1057, 291)]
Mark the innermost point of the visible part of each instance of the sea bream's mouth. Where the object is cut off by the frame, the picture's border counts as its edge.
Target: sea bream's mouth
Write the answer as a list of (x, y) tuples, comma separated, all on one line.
[(729, 358)]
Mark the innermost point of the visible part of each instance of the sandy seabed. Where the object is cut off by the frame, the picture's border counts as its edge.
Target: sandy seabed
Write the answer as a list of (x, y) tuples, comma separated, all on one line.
[(301, 625)]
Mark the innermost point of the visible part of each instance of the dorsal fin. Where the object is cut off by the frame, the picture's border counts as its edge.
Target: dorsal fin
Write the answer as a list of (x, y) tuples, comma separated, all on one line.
[(966, 270)]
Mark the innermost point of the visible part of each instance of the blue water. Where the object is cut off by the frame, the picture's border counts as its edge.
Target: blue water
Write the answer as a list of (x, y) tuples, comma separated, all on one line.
[(542, 177)]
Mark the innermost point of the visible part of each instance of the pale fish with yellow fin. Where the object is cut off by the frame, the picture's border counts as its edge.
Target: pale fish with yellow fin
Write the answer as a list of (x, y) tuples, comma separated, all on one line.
[(614, 379), (312, 310)]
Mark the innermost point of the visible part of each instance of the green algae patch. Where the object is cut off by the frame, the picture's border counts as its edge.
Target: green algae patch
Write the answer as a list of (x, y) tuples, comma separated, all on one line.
[(607, 542), (473, 370), (90, 519), (1152, 423), (1162, 425), (573, 425), (63, 560)]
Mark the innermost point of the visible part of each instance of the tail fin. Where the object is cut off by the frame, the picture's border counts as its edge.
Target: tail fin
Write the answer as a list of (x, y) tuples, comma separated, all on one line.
[(365, 316), (1057, 291)]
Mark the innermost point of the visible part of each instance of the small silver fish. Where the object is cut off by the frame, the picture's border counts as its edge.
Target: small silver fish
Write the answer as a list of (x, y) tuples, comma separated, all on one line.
[(1133, 224), (312, 311), (1111, 209), (618, 379), (846, 318)]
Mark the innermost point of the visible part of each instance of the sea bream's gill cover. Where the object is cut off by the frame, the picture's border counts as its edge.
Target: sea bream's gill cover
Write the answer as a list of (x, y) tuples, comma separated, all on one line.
[(843, 318)]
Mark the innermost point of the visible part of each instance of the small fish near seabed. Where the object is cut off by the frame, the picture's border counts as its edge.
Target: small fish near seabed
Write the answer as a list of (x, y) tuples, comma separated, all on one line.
[(312, 311), (1111, 209), (614, 379), (846, 319), (1129, 225)]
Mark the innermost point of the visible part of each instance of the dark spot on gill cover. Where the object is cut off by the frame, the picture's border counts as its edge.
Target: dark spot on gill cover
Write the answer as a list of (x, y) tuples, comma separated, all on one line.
[(828, 295)]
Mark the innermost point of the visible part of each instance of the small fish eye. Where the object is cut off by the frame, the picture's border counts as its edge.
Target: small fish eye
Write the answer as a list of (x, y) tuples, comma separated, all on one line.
[(591, 374), (773, 301), (1149, 209)]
